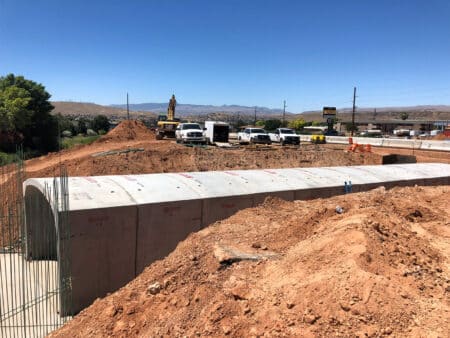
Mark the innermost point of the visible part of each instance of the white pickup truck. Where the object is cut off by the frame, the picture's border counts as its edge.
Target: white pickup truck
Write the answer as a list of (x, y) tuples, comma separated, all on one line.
[(189, 133), (254, 135), (285, 136)]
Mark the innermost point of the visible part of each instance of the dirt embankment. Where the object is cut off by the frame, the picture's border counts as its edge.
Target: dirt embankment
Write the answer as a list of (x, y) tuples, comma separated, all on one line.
[(131, 148), (380, 268), (170, 157)]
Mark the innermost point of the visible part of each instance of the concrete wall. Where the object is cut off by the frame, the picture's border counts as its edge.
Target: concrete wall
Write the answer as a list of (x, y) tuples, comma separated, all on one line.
[(103, 247), (120, 225), (389, 142)]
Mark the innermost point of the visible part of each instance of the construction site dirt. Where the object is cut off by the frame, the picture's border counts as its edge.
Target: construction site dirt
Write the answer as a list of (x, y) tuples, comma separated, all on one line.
[(379, 268), (132, 149)]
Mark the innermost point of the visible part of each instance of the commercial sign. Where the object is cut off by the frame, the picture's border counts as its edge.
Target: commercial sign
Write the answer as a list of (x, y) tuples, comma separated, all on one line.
[(329, 112)]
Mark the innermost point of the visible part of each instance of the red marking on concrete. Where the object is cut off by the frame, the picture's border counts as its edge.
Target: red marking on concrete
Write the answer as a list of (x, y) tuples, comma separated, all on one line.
[(270, 172), (185, 175), (170, 210), (231, 173), (228, 206), (90, 179), (130, 178)]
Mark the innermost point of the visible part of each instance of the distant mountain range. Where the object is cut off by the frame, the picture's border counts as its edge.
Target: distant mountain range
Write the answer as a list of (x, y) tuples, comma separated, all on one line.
[(151, 110), (425, 112), (196, 109)]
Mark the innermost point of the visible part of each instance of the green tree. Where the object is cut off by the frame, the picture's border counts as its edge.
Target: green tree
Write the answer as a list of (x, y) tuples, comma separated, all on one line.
[(404, 116), (14, 112), (260, 123), (25, 110), (65, 124), (100, 122), (350, 127), (272, 124), (297, 124), (82, 125)]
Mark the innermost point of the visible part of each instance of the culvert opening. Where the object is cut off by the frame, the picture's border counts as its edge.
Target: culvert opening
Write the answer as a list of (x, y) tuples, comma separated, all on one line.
[(41, 241)]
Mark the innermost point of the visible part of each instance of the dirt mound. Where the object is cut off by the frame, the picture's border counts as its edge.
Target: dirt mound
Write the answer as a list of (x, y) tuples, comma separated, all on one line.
[(164, 156), (300, 269), (128, 130), (440, 137)]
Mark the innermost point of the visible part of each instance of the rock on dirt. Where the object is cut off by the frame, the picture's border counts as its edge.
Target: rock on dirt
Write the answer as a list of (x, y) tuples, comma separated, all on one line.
[(344, 275), (154, 288)]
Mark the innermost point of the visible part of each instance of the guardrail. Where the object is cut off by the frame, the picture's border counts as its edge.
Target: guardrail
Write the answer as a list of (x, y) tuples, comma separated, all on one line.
[(381, 142), (388, 142)]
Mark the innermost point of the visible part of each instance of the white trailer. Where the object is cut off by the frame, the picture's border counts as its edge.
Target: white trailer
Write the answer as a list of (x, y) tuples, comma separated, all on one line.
[(216, 132)]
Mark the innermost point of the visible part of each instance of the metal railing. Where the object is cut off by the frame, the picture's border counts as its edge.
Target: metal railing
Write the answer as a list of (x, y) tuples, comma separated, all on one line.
[(34, 254)]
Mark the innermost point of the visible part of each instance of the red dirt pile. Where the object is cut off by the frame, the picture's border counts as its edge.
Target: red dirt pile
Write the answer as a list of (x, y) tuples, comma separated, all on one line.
[(128, 130), (382, 267)]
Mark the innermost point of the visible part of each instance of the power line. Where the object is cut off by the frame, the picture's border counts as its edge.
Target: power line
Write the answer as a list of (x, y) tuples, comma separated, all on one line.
[(128, 109), (353, 110)]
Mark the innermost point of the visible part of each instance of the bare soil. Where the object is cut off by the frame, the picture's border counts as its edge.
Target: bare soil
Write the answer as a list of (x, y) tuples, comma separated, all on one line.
[(148, 155), (380, 268)]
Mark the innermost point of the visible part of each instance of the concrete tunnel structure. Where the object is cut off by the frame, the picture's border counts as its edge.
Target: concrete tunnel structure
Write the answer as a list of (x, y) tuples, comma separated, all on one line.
[(121, 224)]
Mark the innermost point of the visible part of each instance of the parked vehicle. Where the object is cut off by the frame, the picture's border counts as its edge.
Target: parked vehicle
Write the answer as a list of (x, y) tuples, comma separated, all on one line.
[(190, 133), (318, 139), (372, 133), (284, 136), (254, 135), (401, 132), (216, 132)]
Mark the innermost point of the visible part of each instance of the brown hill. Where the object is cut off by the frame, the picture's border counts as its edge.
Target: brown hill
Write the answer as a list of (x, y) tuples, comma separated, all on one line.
[(380, 268), (92, 109)]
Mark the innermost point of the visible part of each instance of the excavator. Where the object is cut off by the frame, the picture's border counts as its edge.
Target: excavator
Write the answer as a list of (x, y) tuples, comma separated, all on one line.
[(167, 124)]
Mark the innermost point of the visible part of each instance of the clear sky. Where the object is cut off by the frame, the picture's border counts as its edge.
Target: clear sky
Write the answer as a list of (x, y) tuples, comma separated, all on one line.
[(248, 52)]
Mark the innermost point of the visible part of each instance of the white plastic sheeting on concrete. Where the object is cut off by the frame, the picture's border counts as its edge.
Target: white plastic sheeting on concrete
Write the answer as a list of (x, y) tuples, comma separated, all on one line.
[(121, 224)]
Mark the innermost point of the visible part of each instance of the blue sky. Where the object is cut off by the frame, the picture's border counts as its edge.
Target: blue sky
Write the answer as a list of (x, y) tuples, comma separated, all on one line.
[(252, 52)]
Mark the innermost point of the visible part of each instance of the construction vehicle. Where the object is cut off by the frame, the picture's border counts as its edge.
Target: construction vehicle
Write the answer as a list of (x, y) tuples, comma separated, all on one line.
[(190, 133), (167, 124)]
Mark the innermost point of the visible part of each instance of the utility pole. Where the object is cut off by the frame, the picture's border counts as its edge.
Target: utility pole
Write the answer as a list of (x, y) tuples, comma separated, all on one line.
[(353, 110), (284, 112), (128, 109), (255, 117)]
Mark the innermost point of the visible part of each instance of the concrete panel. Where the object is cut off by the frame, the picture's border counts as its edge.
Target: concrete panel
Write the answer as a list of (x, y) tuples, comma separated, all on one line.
[(435, 145), (368, 140), (220, 208), (337, 139), (324, 192), (103, 246), (389, 142), (121, 224), (305, 138), (162, 226)]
